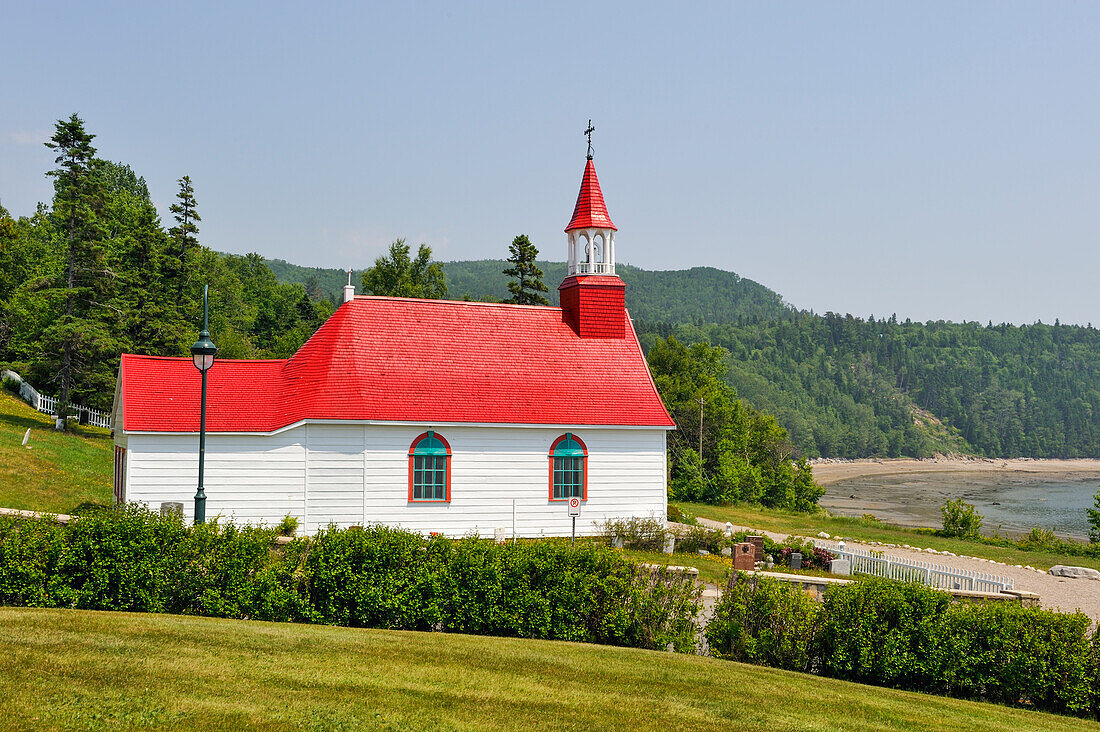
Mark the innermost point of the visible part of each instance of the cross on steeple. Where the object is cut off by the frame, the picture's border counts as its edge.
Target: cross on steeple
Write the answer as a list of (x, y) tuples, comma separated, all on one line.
[(589, 132)]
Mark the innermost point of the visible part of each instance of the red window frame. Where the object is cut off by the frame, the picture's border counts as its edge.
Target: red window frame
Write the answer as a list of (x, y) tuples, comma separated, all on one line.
[(584, 466), (412, 454)]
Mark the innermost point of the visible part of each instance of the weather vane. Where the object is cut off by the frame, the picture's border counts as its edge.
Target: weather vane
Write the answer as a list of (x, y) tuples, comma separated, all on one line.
[(589, 132)]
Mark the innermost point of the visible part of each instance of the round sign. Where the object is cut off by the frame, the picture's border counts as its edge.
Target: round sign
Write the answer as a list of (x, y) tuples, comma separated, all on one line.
[(574, 502)]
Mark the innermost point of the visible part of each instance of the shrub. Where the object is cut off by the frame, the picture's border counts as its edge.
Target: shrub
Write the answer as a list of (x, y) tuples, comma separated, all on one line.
[(129, 558), (883, 632), (288, 526), (10, 385), (645, 534), (1006, 653), (676, 514), (960, 519), (698, 537), (764, 621)]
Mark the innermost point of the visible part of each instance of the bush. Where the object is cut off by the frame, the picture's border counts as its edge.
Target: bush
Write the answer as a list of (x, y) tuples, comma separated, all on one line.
[(764, 621), (960, 519), (129, 558), (883, 632), (913, 637), (1006, 653), (10, 385), (644, 534), (676, 514)]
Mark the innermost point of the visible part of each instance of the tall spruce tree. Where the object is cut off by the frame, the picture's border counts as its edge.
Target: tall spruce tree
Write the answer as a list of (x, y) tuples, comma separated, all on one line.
[(183, 234), (74, 339), (526, 285)]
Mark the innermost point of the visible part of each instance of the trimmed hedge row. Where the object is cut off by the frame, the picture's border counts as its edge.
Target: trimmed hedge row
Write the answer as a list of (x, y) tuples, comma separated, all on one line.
[(132, 559), (909, 636)]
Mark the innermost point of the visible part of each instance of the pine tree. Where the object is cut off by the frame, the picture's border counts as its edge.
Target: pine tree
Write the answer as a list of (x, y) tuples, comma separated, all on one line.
[(526, 284), (72, 341), (183, 234)]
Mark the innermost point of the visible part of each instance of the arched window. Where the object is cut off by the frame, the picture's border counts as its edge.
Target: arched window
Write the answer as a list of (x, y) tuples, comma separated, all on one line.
[(568, 468), (430, 468)]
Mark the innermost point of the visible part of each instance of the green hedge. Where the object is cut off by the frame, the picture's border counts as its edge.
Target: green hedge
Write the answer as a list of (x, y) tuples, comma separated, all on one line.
[(132, 559), (913, 637)]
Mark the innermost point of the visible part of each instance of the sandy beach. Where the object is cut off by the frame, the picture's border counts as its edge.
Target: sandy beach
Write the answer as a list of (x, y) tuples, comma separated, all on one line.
[(828, 472), (1012, 495)]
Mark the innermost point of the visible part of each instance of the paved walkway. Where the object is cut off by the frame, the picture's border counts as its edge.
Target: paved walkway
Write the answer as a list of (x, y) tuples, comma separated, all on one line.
[(1055, 593)]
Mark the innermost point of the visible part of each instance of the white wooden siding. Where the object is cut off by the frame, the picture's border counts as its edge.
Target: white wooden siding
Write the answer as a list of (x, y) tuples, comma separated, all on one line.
[(247, 479), (334, 476), (358, 474), (491, 467)]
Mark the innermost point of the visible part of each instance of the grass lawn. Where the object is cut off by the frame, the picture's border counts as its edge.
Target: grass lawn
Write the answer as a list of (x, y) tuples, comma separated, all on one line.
[(57, 471), (65, 669), (712, 569), (809, 525)]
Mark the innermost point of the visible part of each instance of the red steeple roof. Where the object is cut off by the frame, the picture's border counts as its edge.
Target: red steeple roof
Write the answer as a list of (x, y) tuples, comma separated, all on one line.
[(590, 211)]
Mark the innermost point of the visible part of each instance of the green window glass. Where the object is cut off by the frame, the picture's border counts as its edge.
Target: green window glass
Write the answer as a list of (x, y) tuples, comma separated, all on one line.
[(568, 469), (429, 478)]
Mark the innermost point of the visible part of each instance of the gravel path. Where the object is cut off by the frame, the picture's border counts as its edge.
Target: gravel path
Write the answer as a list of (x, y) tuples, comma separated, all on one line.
[(1055, 593)]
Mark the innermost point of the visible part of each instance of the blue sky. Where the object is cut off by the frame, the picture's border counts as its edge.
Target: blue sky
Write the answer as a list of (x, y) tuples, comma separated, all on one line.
[(937, 160)]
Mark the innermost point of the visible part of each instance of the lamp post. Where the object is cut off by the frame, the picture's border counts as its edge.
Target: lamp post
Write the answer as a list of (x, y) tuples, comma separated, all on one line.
[(203, 354)]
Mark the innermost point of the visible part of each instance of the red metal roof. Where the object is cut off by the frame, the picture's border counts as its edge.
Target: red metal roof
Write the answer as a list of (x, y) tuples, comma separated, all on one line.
[(590, 211), (406, 360)]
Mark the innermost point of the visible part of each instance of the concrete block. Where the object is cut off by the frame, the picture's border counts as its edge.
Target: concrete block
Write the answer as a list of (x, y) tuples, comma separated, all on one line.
[(670, 545), (171, 508), (841, 566)]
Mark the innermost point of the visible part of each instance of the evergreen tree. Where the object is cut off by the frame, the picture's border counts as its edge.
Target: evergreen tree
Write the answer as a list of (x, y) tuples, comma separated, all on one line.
[(526, 284), (400, 276), (183, 234), (72, 342)]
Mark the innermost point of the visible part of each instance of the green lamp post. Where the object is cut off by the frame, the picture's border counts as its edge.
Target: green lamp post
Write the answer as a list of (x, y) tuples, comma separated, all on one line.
[(203, 354)]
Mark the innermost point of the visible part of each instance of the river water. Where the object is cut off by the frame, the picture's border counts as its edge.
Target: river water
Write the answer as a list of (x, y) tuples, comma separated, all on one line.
[(1010, 504)]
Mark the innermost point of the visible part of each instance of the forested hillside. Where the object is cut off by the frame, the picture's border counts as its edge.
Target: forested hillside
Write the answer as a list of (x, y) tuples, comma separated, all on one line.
[(845, 386), (848, 387), (698, 295)]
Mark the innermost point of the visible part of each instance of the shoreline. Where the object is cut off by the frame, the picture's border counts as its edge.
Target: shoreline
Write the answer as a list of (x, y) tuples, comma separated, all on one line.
[(828, 472)]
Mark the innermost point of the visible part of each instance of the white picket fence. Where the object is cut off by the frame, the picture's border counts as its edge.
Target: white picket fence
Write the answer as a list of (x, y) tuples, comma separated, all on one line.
[(943, 577), (48, 405)]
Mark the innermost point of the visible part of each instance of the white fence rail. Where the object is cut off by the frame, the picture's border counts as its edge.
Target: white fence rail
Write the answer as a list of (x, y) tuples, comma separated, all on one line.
[(48, 405), (943, 577)]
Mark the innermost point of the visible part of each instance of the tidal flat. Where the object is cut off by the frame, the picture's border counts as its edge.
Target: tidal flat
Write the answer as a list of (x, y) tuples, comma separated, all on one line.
[(1013, 496)]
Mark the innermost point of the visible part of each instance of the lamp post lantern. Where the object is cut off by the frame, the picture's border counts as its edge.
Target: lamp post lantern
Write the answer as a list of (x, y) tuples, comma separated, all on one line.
[(203, 354)]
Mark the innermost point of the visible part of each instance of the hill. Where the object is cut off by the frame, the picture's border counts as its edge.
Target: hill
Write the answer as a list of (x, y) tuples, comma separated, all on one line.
[(847, 387), (57, 471), (82, 669), (698, 295)]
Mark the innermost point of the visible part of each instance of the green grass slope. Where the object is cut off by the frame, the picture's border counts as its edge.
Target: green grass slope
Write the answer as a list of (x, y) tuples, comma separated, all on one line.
[(56, 471), (71, 669)]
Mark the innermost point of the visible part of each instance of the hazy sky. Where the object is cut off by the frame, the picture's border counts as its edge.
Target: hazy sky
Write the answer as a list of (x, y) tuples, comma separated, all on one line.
[(933, 160)]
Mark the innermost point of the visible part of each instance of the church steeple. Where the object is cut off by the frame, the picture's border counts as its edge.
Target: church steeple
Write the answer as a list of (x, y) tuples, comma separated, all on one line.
[(590, 232), (593, 298)]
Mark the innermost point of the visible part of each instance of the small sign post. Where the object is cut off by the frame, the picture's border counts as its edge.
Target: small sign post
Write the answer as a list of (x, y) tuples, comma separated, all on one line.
[(574, 512)]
